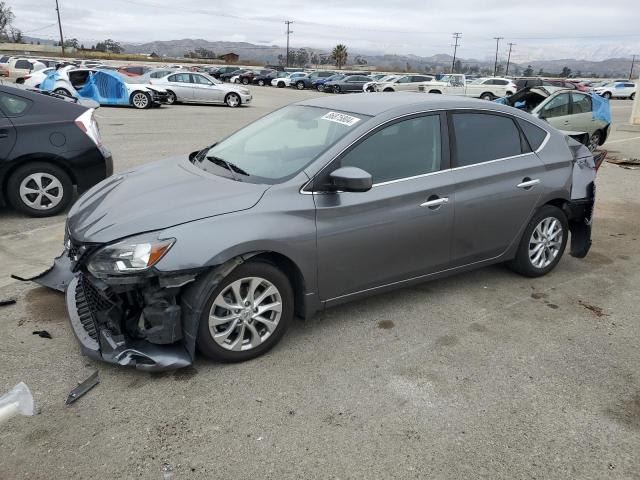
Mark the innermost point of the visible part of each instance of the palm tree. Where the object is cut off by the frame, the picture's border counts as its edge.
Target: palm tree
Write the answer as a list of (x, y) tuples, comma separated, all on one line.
[(339, 54)]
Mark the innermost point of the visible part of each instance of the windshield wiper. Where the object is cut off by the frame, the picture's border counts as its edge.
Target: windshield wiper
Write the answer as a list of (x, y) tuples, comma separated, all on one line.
[(228, 165)]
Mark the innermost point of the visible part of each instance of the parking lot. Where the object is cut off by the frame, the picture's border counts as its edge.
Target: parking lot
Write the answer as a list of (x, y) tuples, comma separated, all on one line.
[(482, 375)]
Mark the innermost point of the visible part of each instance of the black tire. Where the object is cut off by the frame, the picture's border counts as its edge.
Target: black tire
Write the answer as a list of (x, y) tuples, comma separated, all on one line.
[(261, 83), (280, 85), (137, 100), (171, 98), (487, 96), (388, 90), (522, 263), (437, 92), (607, 95), (17, 177), (232, 100), (370, 89), (62, 91), (596, 139), (208, 346), (320, 87), (633, 96), (300, 85), (336, 89), (245, 81)]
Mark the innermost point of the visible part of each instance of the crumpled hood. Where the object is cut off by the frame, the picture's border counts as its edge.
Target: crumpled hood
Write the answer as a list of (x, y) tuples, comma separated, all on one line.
[(155, 196)]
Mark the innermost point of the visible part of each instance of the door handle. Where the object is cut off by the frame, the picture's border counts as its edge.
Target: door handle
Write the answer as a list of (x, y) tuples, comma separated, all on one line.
[(527, 183), (434, 202)]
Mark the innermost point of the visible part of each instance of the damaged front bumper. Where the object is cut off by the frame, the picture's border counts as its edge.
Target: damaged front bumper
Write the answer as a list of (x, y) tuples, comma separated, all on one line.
[(142, 321)]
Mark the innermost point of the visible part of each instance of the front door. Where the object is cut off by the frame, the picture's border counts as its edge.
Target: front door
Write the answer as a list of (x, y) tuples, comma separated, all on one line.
[(399, 229), (497, 185), (557, 111), (203, 90)]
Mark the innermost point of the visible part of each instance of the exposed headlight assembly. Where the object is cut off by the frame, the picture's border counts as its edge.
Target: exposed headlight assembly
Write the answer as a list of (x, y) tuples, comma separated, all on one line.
[(131, 255)]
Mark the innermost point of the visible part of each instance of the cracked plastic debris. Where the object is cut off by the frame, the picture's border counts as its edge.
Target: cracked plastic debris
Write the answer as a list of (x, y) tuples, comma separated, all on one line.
[(17, 401), (83, 388)]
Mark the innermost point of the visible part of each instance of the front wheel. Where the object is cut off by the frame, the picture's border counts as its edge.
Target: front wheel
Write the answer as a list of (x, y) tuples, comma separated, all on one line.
[(320, 88), (336, 89), (245, 81), (40, 189), (247, 314), (633, 96), (62, 91), (542, 244), (487, 96), (141, 100), (300, 85), (607, 95), (261, 83), (232, 100), (280, 84)]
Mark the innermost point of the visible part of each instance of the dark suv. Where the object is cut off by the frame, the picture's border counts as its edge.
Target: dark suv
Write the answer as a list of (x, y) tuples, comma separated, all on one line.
[(48, 144), (248, 77)]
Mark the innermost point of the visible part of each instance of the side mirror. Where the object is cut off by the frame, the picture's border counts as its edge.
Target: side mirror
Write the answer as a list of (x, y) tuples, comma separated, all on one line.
[(351, 179)]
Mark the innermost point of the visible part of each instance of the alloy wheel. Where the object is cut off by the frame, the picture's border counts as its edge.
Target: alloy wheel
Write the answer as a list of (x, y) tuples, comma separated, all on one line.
[(233, 100), (245, 314), (545, 242), (594, 141), (41, 191), (140, 100), (171, 98)]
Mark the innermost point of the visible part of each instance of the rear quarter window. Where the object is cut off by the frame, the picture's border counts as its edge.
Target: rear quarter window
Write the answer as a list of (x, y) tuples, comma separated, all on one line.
[(14, 106), (534, 134)]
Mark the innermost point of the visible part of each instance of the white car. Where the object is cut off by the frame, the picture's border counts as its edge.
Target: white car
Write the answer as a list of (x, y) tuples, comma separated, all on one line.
[(196, 87), (19, 67), (70, 80), (282, 82), (33, 79), (617, 90), (371, 86), (404, 83), (484, 88)]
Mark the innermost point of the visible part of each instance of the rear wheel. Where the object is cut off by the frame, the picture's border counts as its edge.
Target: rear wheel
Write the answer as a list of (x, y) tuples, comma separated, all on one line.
[(607, 95), (245, 81), (542, 244), (438, 92), (247, 314), (320, 87), (370, 89), (595, 140), (140, 100), (300, 85), (232, 100), (261, 83), (633, 96), (388, 90), (280, 84), (40, 189), (336, 89), (171, 97)]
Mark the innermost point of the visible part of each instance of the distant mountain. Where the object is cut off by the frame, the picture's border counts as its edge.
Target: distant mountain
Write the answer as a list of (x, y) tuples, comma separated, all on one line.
[(612, 67)]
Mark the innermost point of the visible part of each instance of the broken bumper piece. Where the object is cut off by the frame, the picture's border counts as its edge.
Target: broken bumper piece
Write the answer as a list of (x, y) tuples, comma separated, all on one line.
[(57, 277), (121, 327)]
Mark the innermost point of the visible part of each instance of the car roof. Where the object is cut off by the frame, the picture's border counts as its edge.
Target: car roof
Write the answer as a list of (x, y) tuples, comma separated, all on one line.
[(377, 103)]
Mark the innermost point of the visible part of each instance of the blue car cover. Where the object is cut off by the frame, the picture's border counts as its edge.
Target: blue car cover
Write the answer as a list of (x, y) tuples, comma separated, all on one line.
[(600, 108), (106, 88), (49, 82)]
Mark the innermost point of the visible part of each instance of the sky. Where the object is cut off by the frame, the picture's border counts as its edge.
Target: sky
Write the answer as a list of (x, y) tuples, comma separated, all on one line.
[(540, 29)]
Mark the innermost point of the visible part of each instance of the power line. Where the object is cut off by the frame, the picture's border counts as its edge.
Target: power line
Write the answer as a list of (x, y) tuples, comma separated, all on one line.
[(495, 65), (509, 58), (457, 36), (289, 32)]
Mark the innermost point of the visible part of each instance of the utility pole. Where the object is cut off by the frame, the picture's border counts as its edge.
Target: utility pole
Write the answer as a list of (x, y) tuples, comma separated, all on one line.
[(456, 35), (495, 65), (509, 58), (289, 31), (60, 27), (633, 61)]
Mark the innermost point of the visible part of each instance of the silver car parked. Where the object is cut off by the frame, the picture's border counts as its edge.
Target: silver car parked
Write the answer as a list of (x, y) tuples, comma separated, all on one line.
[(195, 87), (316, 204)]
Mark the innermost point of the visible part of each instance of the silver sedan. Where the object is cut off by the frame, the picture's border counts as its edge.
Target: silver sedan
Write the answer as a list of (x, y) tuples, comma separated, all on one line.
[(192, 87)]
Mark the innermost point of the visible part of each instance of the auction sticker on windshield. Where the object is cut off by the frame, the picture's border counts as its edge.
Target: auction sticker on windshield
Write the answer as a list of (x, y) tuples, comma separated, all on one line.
[(342, 118)]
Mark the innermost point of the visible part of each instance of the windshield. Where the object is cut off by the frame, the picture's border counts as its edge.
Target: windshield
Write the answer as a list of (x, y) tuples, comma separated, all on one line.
[(279, 145)]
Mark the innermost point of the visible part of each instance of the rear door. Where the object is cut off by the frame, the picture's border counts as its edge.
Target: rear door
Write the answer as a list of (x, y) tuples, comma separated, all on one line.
[(180, 84), (581, 113), (399, 229), (497, 184)]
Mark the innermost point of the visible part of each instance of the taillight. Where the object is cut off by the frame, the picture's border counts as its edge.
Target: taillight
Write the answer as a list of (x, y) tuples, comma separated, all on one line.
[(27, 77), (87, 123)]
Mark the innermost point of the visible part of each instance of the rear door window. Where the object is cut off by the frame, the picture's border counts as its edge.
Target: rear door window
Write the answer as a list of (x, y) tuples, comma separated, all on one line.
[(481, 137), (534, 134), (180, 78), (23, 65), (581, 103)]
